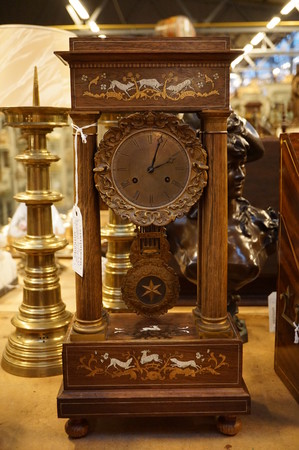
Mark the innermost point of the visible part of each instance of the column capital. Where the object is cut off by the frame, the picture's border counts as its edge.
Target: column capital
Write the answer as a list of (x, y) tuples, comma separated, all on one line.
[(83, 119), (214, 113), (214, 120)]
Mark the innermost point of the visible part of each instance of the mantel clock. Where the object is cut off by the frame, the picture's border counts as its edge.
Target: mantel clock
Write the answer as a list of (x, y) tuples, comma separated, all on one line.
[(150, 169)]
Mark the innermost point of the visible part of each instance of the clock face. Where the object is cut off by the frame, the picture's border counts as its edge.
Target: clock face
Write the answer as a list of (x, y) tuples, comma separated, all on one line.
[(150, 168)]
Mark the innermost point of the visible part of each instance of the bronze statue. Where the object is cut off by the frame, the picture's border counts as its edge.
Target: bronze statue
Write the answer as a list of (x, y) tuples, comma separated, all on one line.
[(252, 232)]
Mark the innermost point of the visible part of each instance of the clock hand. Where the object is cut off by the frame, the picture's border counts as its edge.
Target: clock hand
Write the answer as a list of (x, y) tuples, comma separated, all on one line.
[(150, 169), (170, 160)]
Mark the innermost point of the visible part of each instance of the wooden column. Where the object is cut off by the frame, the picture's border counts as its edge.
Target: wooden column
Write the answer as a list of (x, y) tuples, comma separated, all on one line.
[(89, 318), (212, 284)]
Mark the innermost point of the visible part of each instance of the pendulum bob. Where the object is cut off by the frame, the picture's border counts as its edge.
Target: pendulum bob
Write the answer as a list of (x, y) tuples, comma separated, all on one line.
[(34, 348), (119, 234)]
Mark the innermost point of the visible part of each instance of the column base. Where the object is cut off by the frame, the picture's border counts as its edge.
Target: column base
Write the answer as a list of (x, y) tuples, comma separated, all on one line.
[(209, 327), (84, 330)]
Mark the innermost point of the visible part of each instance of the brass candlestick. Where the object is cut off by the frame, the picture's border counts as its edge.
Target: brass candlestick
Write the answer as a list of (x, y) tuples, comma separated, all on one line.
[(34, 349), (119, 234)]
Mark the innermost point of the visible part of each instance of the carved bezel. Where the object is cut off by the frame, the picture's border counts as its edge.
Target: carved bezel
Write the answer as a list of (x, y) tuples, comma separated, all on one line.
[(190, 194)]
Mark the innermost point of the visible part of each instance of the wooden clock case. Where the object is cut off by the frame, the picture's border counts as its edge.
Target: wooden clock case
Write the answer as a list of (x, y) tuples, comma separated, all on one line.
[(182, 363)]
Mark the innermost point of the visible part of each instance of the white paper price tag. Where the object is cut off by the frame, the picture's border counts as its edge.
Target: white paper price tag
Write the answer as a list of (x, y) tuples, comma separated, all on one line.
[(77, 241)]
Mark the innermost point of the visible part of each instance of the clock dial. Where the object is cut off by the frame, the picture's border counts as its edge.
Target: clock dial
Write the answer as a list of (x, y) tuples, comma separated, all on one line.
[(150, 168)]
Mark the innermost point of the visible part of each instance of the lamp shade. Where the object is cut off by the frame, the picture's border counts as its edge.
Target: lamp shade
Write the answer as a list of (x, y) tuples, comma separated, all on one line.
[(21, 48)]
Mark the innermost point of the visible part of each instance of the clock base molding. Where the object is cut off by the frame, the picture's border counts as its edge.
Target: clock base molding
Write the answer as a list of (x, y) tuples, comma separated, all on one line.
[(157, 367)]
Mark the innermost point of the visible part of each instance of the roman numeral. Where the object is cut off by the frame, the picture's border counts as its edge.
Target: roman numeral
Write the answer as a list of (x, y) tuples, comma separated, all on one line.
[(136, 195), (125, 183), (135, 143), (177, 184)]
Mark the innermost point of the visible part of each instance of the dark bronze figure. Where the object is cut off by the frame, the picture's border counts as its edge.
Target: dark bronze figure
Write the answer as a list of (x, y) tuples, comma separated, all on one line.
[(252, 232)]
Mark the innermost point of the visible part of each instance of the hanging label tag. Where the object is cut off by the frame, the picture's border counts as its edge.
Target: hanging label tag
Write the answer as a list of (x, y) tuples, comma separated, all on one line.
[(77, 241), (296, 338)]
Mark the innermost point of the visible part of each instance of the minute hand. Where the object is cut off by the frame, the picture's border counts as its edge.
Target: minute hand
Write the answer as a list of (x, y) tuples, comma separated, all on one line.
[(150, 169)]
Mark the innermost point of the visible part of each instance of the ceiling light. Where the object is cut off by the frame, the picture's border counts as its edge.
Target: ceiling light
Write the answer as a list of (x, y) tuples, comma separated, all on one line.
[(248, 48), (257, 38), (289, 7), (73, 14), (286, 66), (276, 71), (79, 8), (273, 22), (93, 26), (236, 61)]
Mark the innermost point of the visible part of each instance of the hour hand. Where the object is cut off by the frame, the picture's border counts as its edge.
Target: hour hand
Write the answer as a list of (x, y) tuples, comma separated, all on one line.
[(170, 160)]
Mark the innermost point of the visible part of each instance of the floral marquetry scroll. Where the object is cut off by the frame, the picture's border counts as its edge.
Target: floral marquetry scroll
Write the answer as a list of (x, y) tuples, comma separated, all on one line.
[(153, 365), (150, 367), (139, 85)]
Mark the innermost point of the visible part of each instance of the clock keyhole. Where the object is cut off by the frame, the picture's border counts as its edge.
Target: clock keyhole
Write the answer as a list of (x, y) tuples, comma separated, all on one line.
[(167, 179), (135, 180)]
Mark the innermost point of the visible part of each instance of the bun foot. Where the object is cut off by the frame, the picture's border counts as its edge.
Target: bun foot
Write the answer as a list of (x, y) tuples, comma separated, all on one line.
[(229, 425), (76, 428)]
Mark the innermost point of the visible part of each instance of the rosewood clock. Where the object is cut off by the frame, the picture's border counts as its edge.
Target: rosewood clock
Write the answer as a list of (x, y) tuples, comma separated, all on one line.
[(150, 169)]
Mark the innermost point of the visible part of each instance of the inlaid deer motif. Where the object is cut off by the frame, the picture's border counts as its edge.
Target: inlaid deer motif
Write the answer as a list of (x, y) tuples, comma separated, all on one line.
[(145, 358), (121, 86), (149, 83), (176, 89)]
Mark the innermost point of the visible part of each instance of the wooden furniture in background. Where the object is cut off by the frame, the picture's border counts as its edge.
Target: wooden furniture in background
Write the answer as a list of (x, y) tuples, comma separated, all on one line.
[(261, 189), (287, 314)]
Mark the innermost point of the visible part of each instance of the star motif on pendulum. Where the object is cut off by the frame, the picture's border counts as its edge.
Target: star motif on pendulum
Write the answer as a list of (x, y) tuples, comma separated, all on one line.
[(151, 290)]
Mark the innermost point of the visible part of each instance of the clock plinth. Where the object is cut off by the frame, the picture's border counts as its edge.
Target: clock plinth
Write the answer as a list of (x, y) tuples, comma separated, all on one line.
[(150, 367), (187, 363)]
